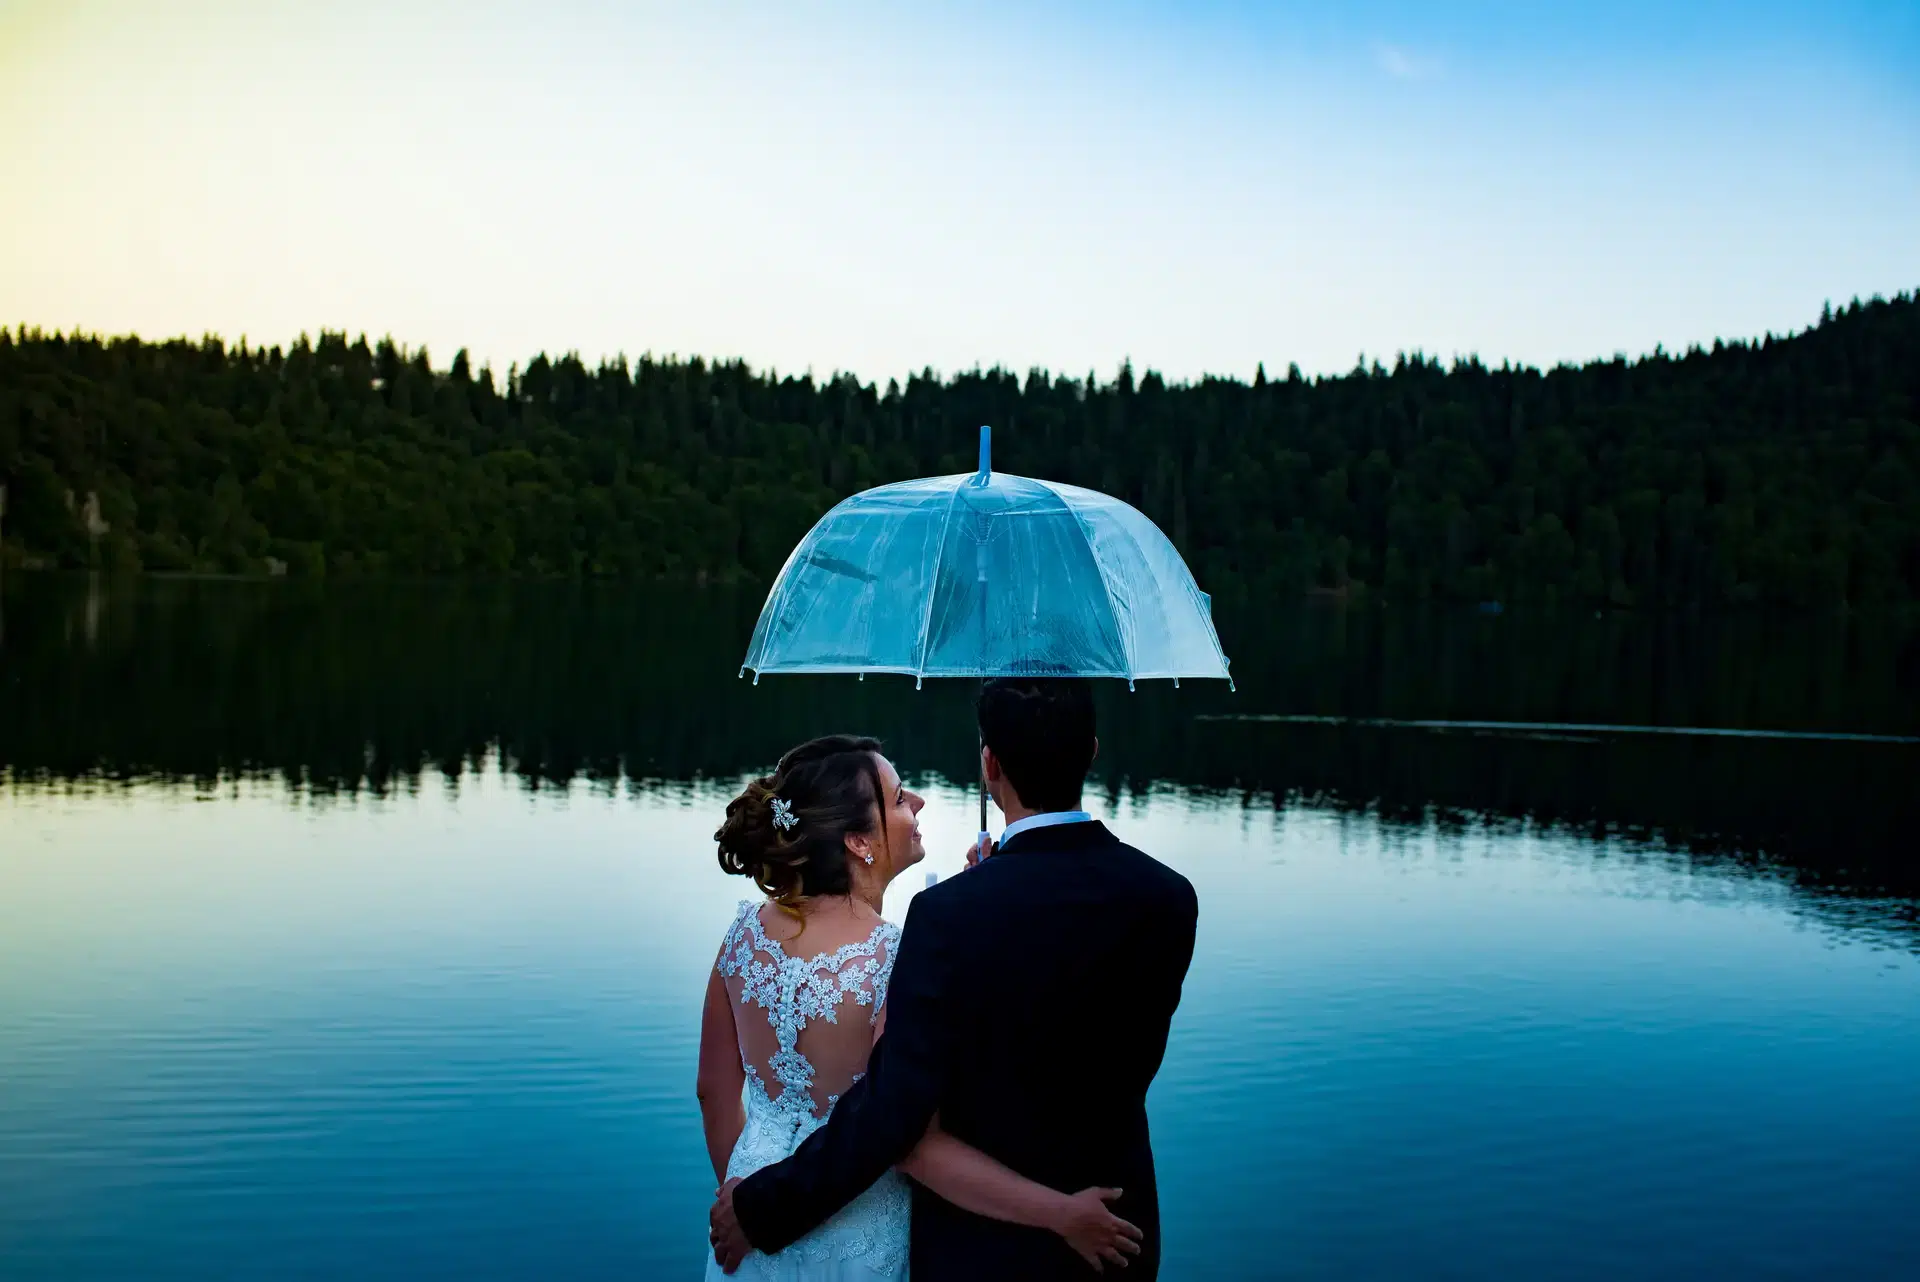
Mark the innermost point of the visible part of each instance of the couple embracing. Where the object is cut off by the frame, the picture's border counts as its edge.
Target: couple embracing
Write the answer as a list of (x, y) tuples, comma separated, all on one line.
[(966, 1095)]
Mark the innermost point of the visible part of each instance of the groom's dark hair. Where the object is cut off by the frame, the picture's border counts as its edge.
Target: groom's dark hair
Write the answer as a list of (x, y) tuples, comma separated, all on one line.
[(1041, 729)]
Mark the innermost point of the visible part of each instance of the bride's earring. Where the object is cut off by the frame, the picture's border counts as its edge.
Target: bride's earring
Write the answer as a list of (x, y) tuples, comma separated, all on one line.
[(867, 859)]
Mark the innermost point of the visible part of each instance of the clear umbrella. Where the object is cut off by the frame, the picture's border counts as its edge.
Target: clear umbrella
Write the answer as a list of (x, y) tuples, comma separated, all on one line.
[(986, 575)]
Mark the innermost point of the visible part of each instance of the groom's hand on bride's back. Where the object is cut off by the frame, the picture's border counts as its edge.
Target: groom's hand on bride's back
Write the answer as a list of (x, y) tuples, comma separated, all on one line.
[(730, 1245)]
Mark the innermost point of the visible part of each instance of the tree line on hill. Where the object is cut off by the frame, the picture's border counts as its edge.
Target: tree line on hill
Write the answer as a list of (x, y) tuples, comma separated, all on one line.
[(1783, 471)]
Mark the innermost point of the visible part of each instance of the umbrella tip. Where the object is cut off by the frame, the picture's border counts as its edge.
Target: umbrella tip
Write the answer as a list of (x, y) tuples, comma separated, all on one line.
[(986, 454)]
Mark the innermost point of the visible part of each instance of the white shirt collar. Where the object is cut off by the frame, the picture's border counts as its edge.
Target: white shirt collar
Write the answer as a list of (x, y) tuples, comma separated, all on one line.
[(1047, 820)]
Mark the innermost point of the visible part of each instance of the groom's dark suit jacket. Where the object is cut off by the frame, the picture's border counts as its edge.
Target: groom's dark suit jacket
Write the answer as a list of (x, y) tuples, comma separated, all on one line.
[(1029, 1005)]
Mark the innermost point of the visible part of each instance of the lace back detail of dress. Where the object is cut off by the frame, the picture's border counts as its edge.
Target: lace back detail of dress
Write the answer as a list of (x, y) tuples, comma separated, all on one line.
[(805, 1024)]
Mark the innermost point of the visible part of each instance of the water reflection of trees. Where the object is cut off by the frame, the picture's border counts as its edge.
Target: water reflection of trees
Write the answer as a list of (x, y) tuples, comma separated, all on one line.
[(364, 687)]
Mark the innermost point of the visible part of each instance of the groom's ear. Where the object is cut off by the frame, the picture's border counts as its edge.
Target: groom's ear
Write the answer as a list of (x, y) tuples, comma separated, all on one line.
[(990, 765)]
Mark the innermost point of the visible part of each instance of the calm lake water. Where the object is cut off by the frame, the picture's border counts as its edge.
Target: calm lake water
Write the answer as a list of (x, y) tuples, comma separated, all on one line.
[(361, 932)]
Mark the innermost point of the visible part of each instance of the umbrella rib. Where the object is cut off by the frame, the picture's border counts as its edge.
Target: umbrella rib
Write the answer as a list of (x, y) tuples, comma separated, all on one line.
[(1113, 607), (933, 585)]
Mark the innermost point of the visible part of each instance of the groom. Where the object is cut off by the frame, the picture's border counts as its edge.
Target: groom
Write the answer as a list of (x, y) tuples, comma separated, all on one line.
[(1029, 1008)]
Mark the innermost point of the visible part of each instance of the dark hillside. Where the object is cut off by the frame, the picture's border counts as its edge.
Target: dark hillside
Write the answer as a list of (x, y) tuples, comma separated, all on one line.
[(1784, 471)]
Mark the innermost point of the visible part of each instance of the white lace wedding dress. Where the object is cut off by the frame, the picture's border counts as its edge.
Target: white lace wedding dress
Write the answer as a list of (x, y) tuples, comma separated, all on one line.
[(805, 1026)]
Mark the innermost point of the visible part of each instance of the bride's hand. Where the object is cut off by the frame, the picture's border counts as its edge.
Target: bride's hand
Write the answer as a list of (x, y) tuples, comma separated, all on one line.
[(1096, 1234)]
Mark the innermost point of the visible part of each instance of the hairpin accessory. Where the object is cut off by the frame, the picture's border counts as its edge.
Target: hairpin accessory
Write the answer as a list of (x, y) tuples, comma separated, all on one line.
[(783, 817)]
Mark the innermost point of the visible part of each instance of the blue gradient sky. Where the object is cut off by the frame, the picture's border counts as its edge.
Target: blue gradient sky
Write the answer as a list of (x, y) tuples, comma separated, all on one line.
[(851, 185)]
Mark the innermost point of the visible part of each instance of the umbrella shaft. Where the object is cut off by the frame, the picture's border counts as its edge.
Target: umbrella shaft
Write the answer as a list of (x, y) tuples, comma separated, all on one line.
[(983, 782)]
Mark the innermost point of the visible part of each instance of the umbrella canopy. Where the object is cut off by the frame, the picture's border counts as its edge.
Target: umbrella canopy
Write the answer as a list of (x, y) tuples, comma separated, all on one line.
[(985, 574)]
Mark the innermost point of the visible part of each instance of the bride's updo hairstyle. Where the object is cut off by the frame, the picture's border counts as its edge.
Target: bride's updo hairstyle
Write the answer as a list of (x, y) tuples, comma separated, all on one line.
[(831, 787)]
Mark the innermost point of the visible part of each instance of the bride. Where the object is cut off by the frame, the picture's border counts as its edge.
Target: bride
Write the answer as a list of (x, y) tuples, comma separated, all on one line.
[(798, 997)]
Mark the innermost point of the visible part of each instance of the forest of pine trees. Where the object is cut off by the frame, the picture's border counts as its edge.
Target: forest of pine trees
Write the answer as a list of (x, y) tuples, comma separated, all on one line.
[(1785, 471)]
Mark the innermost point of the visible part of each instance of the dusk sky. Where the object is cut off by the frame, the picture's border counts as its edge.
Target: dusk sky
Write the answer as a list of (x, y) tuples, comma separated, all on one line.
[(879, 188)]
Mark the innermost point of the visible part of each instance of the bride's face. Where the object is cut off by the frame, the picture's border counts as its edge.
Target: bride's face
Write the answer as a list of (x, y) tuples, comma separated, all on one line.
[(900, 818)]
